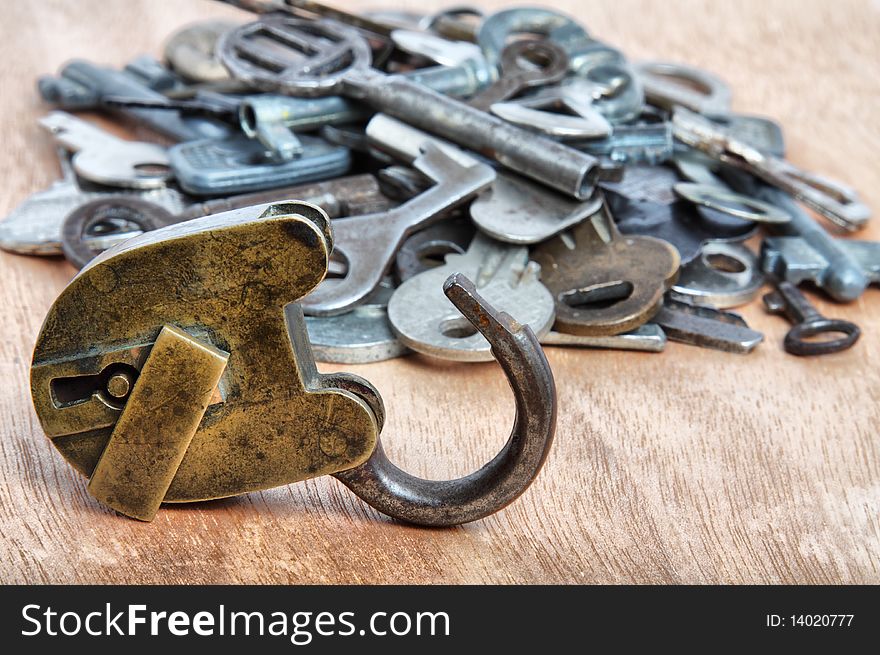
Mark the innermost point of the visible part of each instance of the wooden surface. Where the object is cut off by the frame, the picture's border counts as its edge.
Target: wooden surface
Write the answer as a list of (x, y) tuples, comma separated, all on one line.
[(691, 466)]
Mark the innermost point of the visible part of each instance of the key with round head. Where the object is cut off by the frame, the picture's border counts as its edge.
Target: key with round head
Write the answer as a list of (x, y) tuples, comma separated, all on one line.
[(105, 159), (317, 58)]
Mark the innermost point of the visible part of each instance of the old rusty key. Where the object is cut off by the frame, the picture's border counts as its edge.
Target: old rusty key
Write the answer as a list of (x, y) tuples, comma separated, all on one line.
[(176, 367), (605, 283), (807, 322), (320, 58)]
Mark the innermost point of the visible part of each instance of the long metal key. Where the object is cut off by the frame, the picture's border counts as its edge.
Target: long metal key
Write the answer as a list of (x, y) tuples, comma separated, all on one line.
[(685, 321), (339, 62), (368, 243), (106, 159)]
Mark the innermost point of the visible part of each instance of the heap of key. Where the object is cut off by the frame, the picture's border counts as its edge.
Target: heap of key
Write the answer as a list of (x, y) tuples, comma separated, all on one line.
[(603, 202)]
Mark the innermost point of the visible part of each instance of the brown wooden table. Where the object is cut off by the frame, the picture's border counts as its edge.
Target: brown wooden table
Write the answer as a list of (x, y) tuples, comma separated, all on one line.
[(691, 466)]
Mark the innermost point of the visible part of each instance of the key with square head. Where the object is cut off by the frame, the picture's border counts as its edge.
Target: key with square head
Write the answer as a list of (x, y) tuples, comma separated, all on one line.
[(106, 159), (269, 55)]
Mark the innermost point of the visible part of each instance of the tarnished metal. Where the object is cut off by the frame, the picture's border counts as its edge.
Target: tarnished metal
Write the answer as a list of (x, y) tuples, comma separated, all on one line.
[(645, 338), (499, 482), (130, 355), (671, 85), (224, 280), (550, 64), (103, 158), (368, 243), (786, 300), (191, 51), (161, 415), (604, 283), (724, 275), (730, 202), (344, 196), (838, 203), (360, 336), (686, 321), (340, 64), (427, 249)]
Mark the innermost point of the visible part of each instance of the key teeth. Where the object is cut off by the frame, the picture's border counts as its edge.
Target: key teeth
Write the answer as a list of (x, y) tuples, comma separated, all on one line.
[(463, 294)]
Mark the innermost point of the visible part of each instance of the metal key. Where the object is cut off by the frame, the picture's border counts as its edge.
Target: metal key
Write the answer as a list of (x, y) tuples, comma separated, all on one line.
[(724, 275), (551, 65), (807, 322), (826, 261), (34, 226), (105, 159), (605, 283), (426, 322), (645, 338), (273, 119), (685, 321), (427, 249), (345, 196), (340, 63), (513, 210), (214, 167), (836, 202), (82, 85), (368, 244), (670, 85)]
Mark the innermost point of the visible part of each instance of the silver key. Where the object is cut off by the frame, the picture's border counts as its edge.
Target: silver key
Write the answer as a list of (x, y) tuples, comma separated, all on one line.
[(368, 243), (425, 321), (105, 159), (688, 322), (34, 226)]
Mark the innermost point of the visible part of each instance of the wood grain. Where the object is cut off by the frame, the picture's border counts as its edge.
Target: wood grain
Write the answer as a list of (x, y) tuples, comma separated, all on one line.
[(688, 467)]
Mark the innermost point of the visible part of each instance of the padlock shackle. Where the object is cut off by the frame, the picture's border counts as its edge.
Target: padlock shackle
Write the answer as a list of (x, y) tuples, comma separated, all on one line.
[(443, 503)]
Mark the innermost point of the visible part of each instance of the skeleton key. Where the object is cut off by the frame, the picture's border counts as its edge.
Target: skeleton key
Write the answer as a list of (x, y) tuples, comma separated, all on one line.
[(604, 283), (426, 322), (34, 227), (551, 65), (368, 243), (347, 196), (103, 158), (838, 203), (787, 300), (340, 61)]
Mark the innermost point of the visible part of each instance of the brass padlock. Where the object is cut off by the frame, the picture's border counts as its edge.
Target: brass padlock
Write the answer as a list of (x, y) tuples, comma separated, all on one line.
[(176, 367)]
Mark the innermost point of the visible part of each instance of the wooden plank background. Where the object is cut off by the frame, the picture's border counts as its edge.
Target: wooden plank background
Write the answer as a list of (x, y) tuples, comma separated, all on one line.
[(691, 466)]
